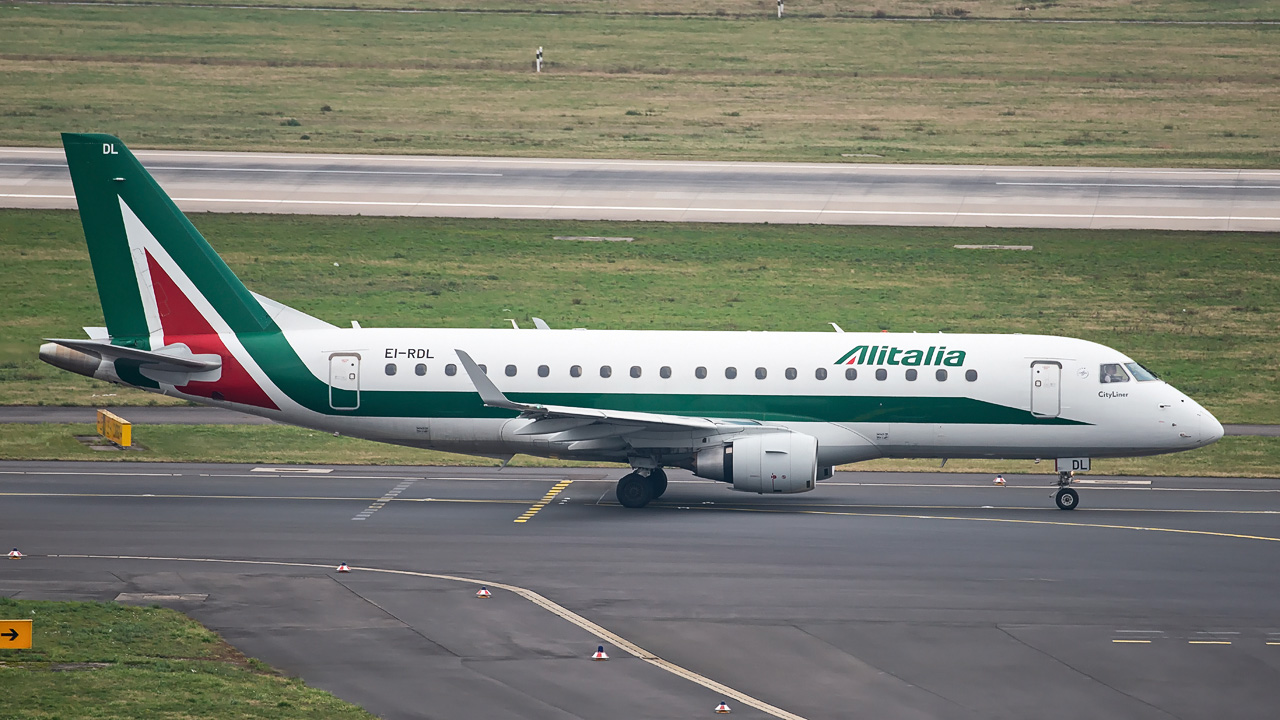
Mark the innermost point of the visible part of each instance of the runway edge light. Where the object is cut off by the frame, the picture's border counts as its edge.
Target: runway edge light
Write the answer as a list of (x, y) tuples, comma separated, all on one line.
[(483, 593), (600, 654), (723, 708), (14, 554), (343, 568)]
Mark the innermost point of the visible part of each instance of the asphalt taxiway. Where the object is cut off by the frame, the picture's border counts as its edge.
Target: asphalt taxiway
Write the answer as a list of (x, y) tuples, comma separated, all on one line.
[(673, 190), (878, 595)]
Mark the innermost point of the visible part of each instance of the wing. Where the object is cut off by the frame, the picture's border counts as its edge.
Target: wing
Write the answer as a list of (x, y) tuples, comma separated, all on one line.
[(601, 429)]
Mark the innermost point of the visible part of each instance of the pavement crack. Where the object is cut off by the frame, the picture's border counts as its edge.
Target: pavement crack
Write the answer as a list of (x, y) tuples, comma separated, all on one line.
[(395, 617), (1082, 673)]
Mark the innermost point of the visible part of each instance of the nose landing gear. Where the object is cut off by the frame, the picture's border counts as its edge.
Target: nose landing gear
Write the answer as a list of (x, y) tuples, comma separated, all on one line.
[(1066, 497)]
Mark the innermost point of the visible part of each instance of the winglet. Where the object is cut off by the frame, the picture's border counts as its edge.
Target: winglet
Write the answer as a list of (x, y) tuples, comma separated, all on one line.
[(489, 392)]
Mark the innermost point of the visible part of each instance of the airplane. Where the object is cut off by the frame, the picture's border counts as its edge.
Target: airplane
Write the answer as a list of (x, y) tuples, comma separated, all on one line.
[(765, 412)]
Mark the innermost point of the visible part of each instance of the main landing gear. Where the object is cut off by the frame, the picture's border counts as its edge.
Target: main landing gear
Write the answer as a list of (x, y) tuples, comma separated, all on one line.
[(638, 487), (1066, 497)]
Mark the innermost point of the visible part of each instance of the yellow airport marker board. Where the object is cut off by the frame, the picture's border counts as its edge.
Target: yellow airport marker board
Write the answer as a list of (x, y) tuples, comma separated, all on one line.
[(15, 634), (115, 428)]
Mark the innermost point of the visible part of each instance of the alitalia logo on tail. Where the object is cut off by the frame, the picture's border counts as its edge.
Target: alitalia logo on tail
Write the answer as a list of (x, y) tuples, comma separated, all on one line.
[(887, 355)]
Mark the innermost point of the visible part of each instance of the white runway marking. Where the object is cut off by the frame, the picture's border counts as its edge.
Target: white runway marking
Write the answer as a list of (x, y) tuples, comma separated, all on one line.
[(382, 501)]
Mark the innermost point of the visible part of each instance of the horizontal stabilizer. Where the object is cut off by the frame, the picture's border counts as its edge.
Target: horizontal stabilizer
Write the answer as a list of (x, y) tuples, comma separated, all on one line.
[(170, 358)]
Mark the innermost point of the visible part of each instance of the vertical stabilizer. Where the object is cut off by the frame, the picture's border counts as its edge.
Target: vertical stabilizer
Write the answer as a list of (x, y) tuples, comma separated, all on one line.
[(143, 249)]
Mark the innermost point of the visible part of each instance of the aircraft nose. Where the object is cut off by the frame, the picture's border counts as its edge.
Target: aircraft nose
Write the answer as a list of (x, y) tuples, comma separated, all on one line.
[(1210, 429)]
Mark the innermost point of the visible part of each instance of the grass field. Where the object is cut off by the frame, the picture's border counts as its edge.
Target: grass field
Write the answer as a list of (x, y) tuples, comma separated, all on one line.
[(103, 660), (1183, 10), (1201, 309), (637, 85), (279, 444)]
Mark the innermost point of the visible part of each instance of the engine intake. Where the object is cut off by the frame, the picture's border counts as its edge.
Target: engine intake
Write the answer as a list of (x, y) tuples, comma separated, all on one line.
[(776, 462)]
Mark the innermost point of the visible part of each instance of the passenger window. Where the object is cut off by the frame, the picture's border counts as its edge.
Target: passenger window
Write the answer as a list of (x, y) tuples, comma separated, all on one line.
[(511, 371), (635, 371), (761, 373), (1140, 373), (791, 373), (391, 368), (484, 369), (1112, 373), (543, 371), (450, 369), (851, 373), (606, 371), (665, 371), (700, 372), (420, 369), (820, 373), (730, 373), (971, 375), (575, 371), (941, 375), (882, 374), (911, 375)]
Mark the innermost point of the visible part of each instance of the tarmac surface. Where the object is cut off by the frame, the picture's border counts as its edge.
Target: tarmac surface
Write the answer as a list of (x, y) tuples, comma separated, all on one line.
[(877, 595), (669, 190), (187, 415)]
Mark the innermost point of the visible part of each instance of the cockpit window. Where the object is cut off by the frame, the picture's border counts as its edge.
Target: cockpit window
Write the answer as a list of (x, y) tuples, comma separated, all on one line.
[(1140, 373), (1112, 373)]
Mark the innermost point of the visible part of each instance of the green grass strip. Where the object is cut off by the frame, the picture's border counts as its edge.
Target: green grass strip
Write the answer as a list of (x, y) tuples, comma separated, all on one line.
[(104, 660)]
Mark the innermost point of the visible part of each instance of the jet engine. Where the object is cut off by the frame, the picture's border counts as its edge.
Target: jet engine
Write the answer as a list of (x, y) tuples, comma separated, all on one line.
[(774, 462)]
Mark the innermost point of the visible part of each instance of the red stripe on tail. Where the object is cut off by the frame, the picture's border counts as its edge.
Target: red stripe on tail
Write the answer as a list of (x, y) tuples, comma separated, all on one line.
[(183, 323)]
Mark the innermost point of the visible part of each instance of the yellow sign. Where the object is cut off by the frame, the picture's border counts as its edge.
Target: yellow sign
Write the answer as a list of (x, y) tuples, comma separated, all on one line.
[(15, 634), (115, 428)]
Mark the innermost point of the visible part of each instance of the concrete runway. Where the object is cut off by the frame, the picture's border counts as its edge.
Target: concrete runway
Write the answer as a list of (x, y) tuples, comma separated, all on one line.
[(878, 595), (849, 194)]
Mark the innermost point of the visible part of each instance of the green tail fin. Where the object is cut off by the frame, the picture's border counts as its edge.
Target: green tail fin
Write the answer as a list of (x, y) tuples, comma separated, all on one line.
[(122, 208)]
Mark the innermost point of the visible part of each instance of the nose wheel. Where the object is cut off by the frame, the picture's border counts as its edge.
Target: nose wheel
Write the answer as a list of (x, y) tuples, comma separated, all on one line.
[(1066, 497)]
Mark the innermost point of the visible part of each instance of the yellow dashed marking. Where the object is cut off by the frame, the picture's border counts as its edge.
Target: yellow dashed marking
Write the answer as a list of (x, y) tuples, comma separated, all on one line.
[(1135, 642), (1208, 642), (533, 509)]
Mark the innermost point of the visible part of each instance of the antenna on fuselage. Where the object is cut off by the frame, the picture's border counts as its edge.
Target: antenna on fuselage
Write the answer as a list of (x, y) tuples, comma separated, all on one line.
[(837, 327)]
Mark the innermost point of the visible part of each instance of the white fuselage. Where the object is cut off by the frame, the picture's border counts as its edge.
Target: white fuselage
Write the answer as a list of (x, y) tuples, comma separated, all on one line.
[(983, 408)]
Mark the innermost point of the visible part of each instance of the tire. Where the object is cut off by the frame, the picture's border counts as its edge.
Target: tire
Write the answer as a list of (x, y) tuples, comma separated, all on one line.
[(658, 481), (634, 491), (1067, 499)]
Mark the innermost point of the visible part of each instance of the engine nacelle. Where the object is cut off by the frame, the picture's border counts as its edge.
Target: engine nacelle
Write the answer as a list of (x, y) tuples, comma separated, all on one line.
[(776, 462)]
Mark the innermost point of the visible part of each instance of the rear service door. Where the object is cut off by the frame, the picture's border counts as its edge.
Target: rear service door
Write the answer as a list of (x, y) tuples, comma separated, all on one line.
[(1046, 385), (344, 381)]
